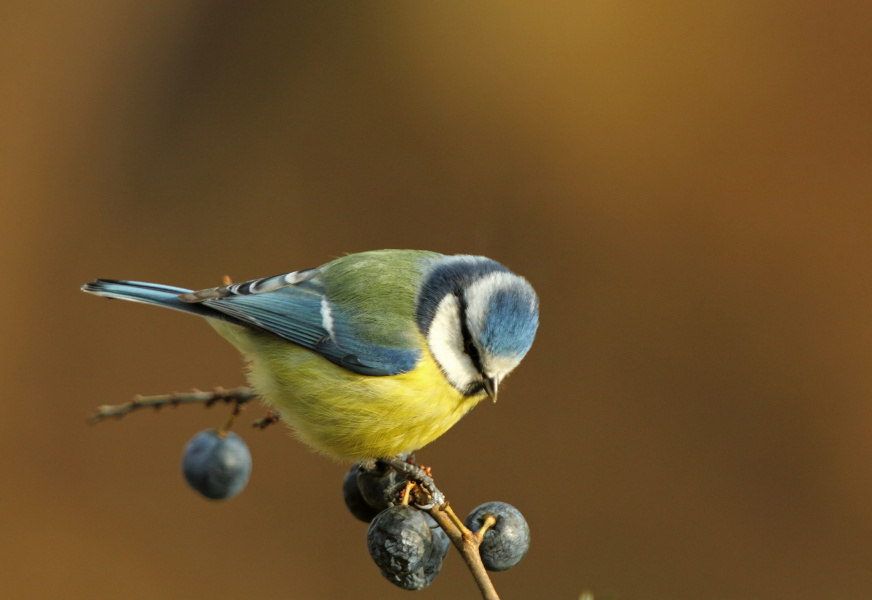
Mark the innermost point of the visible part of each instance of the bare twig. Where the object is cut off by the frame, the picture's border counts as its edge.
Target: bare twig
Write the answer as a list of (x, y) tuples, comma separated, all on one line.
[(238, 396)]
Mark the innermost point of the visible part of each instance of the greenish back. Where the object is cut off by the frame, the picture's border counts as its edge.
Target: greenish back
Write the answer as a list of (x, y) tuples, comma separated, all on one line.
[(376, 293)]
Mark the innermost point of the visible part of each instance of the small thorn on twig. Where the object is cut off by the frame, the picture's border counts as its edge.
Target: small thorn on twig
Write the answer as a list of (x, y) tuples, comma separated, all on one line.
[(270, 418)]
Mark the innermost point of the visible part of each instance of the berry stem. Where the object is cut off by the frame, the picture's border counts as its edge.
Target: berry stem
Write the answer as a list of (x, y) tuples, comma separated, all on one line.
[(404, 499), (455, 519), (489, 521), (237, 409)]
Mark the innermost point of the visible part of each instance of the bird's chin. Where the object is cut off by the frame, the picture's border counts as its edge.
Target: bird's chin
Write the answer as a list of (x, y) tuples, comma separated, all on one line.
[(474, 389)]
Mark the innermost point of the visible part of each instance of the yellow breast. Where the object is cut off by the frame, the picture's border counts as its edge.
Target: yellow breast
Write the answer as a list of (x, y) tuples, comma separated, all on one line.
[(343, 414)]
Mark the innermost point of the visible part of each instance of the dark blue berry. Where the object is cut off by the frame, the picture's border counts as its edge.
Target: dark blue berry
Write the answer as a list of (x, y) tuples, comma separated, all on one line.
[(507, 542), (217, 465), (374, 480), (441, 542), (354, 499), (426, 573), (420, 577), (399, 540)]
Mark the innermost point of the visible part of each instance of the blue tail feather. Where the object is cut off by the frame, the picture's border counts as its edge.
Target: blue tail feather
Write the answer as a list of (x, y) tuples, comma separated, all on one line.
[(150, 293)]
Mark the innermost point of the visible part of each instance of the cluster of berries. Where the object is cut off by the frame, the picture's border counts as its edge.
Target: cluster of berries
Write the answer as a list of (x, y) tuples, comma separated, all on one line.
[(405, 542)]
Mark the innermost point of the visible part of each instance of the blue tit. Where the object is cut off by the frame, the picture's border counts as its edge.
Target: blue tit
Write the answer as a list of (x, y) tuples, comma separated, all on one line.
[(374, 353)]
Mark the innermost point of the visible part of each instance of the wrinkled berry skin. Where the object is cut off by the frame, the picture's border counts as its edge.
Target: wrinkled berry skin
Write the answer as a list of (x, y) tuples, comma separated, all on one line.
[(217, 466), (506, 543), (399, 540), (354, 500), (421, 577), (424, 575)]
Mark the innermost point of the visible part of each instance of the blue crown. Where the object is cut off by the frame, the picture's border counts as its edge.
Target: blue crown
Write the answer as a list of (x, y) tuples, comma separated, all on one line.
[(512, 320)]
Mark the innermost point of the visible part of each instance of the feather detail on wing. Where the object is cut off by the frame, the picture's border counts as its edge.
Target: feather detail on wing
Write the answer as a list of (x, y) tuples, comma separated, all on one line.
[(296, 308), (255, 286)]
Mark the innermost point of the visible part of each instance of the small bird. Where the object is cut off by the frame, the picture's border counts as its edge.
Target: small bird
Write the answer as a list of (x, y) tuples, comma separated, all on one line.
[(372, 354)]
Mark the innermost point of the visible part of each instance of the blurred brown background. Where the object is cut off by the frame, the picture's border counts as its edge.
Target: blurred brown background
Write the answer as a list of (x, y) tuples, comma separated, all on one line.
[(686, 184)]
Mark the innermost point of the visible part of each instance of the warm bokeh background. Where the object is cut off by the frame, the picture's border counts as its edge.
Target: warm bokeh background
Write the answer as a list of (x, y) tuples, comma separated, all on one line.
[(688, 185)]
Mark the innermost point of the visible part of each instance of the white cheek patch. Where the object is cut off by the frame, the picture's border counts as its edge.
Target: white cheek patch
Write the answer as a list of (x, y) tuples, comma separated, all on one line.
[(445, 339)]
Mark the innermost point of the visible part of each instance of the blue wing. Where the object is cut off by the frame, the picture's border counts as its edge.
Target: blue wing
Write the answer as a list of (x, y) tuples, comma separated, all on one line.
[(296, 308), (293, 307)]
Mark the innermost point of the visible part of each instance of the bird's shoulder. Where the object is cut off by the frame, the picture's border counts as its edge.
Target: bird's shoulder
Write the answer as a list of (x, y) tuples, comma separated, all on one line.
[(379, 282)]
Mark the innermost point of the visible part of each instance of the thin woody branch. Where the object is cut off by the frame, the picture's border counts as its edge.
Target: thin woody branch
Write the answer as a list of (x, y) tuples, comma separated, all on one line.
[(237, 396)]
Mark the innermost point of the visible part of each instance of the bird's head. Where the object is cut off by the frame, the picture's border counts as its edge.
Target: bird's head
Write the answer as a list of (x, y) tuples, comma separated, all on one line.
[(479, 319)]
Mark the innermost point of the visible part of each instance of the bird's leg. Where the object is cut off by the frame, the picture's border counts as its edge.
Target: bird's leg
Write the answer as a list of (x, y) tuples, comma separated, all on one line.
[(430, 496)]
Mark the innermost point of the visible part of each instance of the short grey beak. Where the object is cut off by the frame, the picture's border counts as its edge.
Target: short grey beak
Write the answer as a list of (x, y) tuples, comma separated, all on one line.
[(490, 386)]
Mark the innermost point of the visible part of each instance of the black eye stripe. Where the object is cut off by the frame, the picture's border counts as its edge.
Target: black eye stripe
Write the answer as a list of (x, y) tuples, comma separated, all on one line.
[(468, 344), (448, 275)]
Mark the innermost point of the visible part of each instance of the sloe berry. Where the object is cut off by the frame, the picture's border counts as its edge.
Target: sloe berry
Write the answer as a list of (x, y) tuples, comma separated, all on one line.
[(507, 542), (217, 465)]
